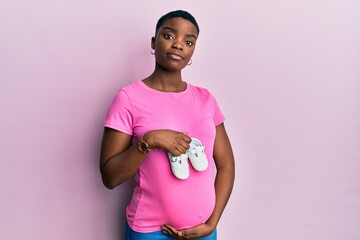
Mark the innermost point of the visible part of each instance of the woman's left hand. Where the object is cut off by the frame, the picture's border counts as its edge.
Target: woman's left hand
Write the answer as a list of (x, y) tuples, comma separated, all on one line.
[(198, 231)]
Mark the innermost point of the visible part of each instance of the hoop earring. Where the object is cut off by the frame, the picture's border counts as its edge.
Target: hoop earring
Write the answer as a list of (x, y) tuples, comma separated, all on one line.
[(152, 51), (190, 62)]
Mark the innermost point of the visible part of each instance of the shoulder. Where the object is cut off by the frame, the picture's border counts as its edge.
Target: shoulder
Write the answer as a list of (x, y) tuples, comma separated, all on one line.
[(124, 95), (129, 90), (132, 87), (201, 92)]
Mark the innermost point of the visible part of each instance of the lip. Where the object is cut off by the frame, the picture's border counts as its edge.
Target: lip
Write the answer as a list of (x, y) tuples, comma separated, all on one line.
[(175, 56)]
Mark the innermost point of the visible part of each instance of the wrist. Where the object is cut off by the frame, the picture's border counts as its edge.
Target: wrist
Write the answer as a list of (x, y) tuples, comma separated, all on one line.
[(143, 146), (211, 223), (149, 138)]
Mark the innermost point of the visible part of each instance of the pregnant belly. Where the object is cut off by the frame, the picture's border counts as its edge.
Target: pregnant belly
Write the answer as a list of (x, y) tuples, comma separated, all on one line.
[(187, 203)]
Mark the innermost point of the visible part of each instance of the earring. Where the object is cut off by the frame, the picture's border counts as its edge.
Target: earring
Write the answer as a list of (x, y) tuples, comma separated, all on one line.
[(152, 51), (190, 62)]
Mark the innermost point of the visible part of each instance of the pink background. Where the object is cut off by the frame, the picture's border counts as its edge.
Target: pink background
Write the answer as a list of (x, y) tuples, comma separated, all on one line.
[(286, 75)]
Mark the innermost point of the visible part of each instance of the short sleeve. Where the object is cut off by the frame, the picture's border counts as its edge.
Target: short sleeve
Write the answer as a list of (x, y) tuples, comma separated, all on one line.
[(218, 115), (119, 115)]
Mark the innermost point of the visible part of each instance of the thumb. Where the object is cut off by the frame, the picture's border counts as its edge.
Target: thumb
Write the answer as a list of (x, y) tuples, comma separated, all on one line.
[(185, 233)]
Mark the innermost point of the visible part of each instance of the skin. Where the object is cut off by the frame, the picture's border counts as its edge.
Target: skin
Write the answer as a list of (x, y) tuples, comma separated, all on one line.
[(174, 45)]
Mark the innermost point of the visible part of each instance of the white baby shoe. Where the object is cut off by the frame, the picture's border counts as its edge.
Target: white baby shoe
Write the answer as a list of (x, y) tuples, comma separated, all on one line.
[(197, 155), (179, 165)]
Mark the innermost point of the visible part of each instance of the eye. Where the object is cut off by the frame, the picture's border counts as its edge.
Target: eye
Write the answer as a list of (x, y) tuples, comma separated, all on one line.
[(168, 36), (189, 43)]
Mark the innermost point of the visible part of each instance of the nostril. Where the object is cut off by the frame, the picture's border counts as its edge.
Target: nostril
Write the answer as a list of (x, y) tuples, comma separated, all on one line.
[(177, 46)]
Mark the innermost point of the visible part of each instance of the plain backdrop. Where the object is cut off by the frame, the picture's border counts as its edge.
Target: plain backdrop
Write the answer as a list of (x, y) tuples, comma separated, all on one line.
[(285, 73)]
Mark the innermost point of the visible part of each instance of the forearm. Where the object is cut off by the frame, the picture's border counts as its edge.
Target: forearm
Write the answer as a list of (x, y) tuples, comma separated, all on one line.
[(224, 182), (121, 167)]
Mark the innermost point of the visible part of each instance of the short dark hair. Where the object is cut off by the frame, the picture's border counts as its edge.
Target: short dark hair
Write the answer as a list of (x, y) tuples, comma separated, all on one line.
[(177, 13)]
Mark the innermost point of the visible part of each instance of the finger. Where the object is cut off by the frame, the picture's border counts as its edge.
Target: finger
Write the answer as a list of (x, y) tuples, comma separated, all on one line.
[(180, 145), (183, 236), (183, 142), (169, 229), (167, 232), (185, 145), (171, 232), (170, 235), (178, 234), (186, 138), (190, 233), (181, 149), (185, 233)]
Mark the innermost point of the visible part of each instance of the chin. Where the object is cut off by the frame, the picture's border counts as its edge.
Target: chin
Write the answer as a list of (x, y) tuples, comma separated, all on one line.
[(173, 68)]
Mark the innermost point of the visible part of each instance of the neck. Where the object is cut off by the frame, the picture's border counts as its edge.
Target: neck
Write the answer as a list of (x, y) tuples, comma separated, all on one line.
[(165, 81)]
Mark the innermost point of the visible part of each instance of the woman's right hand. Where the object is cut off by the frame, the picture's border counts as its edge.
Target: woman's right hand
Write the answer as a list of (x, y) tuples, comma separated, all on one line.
[(172, 141), (119, 160)]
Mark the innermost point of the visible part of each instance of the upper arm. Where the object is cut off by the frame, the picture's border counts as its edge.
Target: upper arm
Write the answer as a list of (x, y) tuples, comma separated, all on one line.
[(113, 143), (223, 154)]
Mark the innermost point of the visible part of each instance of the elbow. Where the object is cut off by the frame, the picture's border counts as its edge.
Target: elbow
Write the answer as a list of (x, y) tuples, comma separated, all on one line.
[(107, 181), (113, 179), (108, 185), (111, 183), (228, 171)]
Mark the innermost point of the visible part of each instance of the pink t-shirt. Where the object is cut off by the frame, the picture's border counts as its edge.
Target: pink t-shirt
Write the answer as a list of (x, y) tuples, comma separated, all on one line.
[(159, 197)]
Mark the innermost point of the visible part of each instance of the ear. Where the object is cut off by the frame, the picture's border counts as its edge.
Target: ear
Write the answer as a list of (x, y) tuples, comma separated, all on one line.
[(153, 43)]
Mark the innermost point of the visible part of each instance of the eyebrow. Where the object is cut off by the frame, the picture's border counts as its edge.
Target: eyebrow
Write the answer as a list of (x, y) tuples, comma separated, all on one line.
[(175, 31)]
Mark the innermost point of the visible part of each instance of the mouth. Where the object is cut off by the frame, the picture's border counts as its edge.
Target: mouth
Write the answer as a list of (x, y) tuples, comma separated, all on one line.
[(175, 56)]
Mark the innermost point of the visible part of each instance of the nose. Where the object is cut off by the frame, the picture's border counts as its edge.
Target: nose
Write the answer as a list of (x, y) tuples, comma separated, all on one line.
[(177, 45)]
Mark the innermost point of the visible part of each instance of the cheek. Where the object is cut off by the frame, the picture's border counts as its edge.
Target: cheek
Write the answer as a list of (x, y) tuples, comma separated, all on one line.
[(190, 50), (191, 53), (160, 51)]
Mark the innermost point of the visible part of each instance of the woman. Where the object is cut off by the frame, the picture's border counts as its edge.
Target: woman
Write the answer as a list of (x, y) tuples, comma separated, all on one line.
[(149, 125)]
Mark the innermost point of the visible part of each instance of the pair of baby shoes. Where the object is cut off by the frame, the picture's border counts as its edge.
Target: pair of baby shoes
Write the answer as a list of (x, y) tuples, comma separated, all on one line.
[(196, 155)]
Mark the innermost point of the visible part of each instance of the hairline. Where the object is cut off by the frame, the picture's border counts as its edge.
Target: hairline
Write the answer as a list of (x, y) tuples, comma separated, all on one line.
[(178, 13)]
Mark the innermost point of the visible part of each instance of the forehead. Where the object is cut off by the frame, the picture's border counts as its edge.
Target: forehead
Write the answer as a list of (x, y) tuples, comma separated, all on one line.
[(180, 24)]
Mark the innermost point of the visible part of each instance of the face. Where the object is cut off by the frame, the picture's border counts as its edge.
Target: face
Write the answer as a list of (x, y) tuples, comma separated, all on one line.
[(174, 43)]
